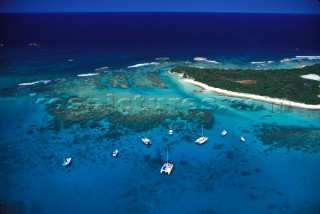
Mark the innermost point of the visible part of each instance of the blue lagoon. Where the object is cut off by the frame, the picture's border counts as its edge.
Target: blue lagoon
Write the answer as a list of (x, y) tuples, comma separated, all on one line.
[(96, 83)]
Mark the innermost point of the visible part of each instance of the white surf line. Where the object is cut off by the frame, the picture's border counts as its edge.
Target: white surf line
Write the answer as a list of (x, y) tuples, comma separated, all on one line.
[(212, 61), (199, 59), (87, 75), (308, 57), (261, 62), (143, 64), (33, 83)]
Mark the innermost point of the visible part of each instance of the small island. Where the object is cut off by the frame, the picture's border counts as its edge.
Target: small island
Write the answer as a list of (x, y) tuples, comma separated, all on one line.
[(279, 86)]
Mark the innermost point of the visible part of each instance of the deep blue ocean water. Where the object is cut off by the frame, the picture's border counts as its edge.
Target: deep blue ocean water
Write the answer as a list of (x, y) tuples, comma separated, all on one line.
[(87, 118)]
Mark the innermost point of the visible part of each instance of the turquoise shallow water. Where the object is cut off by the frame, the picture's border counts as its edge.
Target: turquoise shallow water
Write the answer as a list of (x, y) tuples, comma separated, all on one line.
[(87, 118)]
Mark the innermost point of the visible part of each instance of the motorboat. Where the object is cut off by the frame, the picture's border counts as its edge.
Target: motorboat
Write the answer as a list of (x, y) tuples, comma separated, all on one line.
[(115, 153), (146, 141), (224, 133)]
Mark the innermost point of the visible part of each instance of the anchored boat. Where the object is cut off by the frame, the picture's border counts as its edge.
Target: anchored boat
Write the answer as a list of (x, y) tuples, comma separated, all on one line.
[(167, 167), (202, 139), (170, 131), (242, 139), (146, 141), (66, 162), (115, 153)]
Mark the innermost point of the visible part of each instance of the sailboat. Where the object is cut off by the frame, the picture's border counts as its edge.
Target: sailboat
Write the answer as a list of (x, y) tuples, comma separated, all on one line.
[(167, 167), (224, 133), (66, 162), (170, 131), (242, 138), (201, 139)]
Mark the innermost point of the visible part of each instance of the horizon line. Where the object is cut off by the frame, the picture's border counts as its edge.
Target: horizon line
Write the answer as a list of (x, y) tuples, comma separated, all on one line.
[(149, 12)]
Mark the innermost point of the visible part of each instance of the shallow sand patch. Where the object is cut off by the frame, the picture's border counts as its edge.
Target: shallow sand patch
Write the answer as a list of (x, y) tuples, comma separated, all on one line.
[(311, 77)]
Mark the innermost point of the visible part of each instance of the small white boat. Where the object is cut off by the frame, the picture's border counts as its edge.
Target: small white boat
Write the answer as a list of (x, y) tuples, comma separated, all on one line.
[(224, 133), (242, 139), (146, 141), (66, 162), (167, 167), (115, 153), (202, 139), (170, 131)]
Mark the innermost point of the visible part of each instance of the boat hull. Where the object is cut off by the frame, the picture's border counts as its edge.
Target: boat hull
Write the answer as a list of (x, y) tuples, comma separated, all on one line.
[(166, 168)]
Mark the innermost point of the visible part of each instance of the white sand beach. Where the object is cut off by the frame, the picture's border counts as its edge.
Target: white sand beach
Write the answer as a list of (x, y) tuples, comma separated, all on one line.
[(251, 96)]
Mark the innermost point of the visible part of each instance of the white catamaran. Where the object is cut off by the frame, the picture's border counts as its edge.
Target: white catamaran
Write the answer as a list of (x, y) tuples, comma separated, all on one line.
[(201, 139), (167, 167)]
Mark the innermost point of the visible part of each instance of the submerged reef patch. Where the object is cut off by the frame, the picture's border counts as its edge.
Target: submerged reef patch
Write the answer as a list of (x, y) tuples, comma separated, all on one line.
[(80, 110), (85, 111), (120, 80), (291, 137)]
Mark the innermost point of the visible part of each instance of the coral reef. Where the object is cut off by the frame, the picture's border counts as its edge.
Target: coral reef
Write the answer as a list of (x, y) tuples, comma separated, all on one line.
[(290, 137), (84, 111)]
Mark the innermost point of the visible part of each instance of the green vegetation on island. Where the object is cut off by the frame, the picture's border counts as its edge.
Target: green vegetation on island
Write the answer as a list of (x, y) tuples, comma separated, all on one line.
[(279, 83)]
